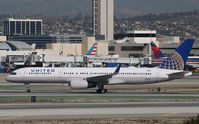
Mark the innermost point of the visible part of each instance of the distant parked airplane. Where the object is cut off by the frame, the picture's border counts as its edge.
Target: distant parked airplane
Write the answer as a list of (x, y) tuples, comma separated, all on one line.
[(92, 51)]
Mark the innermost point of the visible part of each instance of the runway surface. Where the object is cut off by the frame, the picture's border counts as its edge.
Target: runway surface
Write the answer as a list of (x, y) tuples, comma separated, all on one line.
[(177, 86), (90, 111), (120, 102), (177, 90), (93, 94)]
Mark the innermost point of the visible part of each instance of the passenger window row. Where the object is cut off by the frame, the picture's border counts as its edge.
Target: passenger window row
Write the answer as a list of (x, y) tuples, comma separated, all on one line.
[(84, 73)]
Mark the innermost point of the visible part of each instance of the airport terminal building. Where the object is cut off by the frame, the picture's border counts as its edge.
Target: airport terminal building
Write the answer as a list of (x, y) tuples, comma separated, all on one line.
[(22, 27)]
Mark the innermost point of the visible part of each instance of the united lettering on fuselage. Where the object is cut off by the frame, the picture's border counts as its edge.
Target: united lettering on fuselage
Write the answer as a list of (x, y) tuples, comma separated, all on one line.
[(42, 70)]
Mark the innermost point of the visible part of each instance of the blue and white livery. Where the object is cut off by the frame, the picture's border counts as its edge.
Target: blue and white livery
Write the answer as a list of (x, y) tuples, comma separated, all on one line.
[(81, 78)]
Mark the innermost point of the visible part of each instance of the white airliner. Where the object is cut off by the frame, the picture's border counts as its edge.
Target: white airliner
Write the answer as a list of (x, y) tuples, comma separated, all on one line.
[(81, 78)]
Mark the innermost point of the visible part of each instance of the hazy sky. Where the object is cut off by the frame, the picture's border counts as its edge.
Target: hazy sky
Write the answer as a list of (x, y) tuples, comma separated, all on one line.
[(73, 7)]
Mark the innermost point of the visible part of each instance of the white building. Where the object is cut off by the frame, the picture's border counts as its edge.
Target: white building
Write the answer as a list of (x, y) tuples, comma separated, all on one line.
[(142, 36), (3, 38), (103, 14), (169, 39)]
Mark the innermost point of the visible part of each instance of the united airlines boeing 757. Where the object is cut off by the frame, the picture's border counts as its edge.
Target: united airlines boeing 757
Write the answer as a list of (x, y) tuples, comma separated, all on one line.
[(80, 78)]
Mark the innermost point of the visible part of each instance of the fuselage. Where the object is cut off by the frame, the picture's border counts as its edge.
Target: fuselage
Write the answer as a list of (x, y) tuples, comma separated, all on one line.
[(130, 75)]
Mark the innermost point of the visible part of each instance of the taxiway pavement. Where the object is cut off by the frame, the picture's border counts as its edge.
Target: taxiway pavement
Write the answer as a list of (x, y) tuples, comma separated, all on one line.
[(96, 110)]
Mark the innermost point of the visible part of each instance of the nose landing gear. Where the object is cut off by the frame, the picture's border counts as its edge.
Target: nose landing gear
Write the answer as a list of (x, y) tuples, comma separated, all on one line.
[(101, 91), (27, 88)]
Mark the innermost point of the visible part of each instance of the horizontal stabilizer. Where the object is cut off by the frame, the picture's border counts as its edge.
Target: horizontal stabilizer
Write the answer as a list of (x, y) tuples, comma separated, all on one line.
[(177, 75)]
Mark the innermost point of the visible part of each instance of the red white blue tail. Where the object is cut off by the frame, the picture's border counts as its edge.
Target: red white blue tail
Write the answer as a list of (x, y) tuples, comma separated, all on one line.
[(92, 51), (156, 51)]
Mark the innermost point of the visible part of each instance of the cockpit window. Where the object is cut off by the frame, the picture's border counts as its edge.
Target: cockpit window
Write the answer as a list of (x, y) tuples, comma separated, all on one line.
[(13, 73)]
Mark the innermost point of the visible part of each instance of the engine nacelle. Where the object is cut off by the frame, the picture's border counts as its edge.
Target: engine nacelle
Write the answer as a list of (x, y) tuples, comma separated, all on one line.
[(81, 84)]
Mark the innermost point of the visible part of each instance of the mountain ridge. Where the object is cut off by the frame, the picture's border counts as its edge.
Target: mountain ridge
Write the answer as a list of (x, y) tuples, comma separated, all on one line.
[(123, 8)]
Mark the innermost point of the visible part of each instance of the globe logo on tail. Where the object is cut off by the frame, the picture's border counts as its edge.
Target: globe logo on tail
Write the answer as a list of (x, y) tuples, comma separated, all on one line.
[(174, 63)]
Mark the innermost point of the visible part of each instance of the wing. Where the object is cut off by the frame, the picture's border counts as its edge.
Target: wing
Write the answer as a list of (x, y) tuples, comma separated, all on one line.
[(103, 78)]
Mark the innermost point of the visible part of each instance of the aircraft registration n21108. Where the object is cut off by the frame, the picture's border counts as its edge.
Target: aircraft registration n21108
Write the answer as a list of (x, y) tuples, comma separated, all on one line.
[(82, 77)]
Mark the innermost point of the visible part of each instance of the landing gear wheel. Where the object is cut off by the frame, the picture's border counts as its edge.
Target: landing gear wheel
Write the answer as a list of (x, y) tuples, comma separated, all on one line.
[(105, 90), (99, 91), (27, 88), (28, 91)]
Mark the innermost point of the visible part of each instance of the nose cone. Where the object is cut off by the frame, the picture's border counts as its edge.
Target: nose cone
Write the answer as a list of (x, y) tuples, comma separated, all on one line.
[(9, 78)]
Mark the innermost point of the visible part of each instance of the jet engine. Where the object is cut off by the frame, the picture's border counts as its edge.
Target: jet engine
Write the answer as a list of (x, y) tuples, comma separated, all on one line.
[(81, 84)]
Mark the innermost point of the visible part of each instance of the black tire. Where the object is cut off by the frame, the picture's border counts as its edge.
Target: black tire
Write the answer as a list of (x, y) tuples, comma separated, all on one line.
[(99, 91), (28, 91), (105, 90)]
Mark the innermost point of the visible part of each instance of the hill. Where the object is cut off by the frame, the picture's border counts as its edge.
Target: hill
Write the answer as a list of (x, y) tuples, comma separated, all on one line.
[(73, 7)]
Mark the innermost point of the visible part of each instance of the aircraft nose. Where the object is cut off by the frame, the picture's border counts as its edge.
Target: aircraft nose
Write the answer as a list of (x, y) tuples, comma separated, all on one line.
[(9, 78)]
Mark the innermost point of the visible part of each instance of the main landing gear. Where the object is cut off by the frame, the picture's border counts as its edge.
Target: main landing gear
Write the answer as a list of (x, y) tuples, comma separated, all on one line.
[(27, 88), (101, 89)]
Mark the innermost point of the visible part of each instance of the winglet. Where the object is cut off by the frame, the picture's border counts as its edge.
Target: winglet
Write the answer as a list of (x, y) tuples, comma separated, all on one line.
[(117, 70)]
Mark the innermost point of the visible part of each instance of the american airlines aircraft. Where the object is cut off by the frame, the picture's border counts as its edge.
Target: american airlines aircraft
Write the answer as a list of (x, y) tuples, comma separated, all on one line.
[(92, 51), (82, 78)]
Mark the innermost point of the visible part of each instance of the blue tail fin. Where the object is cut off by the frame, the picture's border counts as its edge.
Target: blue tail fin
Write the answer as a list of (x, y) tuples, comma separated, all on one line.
[(179, 58)]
